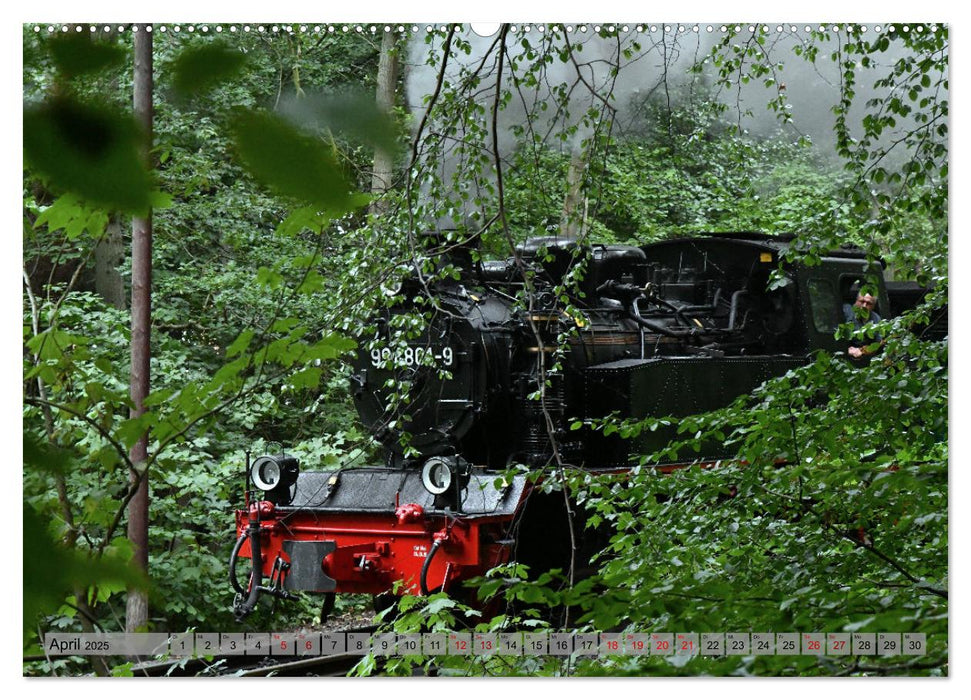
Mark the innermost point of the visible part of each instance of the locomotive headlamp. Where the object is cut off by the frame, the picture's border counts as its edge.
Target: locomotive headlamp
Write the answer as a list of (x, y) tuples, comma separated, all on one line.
[(436, 476), (445, 478), (270, 473)]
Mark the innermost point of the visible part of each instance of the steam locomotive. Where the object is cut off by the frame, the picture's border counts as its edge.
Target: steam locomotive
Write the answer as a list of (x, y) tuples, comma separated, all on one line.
[(516, 360)]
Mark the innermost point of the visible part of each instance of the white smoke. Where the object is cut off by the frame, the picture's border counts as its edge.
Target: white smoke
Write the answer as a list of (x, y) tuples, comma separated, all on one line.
[(556, 80)]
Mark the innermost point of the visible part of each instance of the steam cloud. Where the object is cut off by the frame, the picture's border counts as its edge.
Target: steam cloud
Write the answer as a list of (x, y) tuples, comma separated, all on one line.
[(622, 70)]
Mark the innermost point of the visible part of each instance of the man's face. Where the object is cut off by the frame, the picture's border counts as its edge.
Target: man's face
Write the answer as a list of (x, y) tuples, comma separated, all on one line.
[(867, 302)]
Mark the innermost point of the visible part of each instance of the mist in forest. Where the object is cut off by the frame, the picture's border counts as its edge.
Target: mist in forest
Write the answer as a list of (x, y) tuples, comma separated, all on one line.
[(630, 67)]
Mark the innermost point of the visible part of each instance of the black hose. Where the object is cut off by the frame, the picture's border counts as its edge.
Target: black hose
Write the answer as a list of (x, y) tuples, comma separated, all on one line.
[(423, 579), (232, 564), (657, 327), (256, 578), (703, 308), (678, 311), (327, 607)]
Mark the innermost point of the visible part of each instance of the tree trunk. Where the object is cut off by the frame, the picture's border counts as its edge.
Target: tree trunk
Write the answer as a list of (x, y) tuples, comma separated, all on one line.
[(573, 219), (141, 310), (383, 161), (108, 255)]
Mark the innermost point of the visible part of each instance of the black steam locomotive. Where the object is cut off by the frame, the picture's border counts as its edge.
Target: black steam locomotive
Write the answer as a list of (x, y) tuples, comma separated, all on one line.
[(515, 360)]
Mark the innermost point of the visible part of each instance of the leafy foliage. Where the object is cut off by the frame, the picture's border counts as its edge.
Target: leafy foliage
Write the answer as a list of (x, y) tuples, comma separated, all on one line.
[(245, 352), (832, 519)]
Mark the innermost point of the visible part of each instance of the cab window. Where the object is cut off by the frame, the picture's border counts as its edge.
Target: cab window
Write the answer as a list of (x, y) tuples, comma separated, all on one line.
[(824, 304)]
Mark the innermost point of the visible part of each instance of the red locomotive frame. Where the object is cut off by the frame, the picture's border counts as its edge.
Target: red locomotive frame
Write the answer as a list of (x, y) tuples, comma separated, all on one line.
[(374, 550)]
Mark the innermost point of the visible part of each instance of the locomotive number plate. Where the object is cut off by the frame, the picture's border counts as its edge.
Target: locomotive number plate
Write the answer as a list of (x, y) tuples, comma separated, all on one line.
[(412, 357)]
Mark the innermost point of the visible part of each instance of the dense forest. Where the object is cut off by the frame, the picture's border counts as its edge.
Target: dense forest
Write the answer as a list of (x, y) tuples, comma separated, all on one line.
[(288, 179)]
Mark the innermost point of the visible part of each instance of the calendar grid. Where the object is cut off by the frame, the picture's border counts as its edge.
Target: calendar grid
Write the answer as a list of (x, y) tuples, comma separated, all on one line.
[(484, 644)]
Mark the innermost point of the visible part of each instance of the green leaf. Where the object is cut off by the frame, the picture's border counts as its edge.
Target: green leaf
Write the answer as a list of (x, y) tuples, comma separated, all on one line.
[(90, 151), (302, 219), (355, 115), (53, 343), (123, 670), (130, 430), (307, 378), (78, 54), (330, 346), (438, 603), (312, 283), (199, 69), (241, 343), (158, 397), (291, 163), (160, 200), (51, 571), (228, 373), (67, 212), (269, 278), (44, 457)]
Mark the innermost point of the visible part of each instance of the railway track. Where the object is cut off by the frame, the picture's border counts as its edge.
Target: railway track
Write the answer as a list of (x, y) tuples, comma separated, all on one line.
[(335, 665)]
